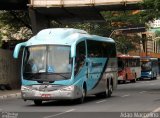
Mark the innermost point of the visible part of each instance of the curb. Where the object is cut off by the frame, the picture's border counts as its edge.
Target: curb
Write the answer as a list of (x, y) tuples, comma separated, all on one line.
[(15, 95)]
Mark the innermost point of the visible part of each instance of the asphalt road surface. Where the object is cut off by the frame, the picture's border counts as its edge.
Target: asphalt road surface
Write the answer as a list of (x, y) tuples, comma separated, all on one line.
[(140, 99)]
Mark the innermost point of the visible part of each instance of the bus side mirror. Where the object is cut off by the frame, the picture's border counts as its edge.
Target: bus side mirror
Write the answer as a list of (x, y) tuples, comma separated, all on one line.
[(17, 49)]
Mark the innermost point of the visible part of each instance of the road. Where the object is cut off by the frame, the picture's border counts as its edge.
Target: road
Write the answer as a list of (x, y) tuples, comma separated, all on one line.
[(130, 98)]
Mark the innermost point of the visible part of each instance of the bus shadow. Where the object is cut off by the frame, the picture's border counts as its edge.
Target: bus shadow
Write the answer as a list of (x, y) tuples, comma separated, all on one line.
[(139, 80), (88, 99), (127, 82), (145, 79)]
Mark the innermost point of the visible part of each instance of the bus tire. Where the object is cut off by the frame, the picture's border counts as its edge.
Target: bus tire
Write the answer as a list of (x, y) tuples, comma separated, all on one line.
[(152, 78), (81, 99), (124, 81), (134, 80), (38, 102), (109, 88), (108, 91), (155, 76)]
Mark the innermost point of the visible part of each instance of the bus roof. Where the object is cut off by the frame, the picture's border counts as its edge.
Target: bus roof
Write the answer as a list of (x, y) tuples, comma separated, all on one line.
[(127, 56), (63, 36), (148, 58)]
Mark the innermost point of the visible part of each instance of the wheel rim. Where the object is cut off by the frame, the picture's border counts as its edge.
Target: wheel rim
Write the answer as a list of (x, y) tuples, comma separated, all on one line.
[(83, 95), (107, 90), (111, 88)]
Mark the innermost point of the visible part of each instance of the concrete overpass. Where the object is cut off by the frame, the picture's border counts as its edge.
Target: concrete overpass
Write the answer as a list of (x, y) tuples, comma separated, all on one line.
[(13, 4), (65, 11), (111, 4)]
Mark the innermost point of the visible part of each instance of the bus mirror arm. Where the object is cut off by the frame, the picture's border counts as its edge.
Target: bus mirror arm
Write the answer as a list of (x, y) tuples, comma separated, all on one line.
[(87, 74), (17, 49), (86, 63)]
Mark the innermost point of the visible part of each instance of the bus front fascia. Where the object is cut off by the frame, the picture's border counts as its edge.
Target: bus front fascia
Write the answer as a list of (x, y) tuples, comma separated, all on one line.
[(17, 49)]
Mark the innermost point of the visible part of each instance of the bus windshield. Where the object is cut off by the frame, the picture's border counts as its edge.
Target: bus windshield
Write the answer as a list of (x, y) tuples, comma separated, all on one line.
[(47, 62), (146, 65)]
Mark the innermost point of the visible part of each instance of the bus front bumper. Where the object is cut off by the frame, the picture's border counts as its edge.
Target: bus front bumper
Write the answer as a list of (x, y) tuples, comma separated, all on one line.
[(120, 78), (146, 75), (64, 93)]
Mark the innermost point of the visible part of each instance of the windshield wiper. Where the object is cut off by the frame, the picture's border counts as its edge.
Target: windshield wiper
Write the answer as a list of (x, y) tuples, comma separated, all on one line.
[(60, 74), (33, 75)]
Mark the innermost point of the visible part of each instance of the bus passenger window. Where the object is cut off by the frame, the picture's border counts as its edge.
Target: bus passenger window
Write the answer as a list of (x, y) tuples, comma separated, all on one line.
[(80, 56)]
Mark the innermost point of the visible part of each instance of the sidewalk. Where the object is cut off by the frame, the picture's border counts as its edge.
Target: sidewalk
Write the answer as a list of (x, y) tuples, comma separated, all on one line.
[(6, 94)]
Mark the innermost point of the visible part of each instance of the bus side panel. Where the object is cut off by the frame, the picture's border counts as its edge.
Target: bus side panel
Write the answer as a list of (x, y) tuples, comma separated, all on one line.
[(112, 69), (137, 70), (80, 77), (107, 71), (155, 68), (96, 79), (155, 71)]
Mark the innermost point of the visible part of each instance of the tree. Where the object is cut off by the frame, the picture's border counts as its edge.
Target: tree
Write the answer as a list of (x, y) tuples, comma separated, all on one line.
[(15, 19), (15, 25), (157, 33), (151, 10), (0, 39)]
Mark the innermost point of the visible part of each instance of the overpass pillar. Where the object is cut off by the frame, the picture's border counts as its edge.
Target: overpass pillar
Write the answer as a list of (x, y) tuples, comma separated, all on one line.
[(38, 21)]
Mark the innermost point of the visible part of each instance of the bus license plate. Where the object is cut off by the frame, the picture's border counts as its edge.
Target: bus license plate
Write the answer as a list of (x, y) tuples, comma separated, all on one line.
[(46, 95)]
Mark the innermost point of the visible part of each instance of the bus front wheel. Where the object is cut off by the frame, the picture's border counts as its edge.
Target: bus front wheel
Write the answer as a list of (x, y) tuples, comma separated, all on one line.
[(37, 102), (81, 99), (134, 80)]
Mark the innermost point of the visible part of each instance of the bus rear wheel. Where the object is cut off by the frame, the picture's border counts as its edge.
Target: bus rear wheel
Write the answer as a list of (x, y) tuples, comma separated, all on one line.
[(38, 102), (110, 90), (134, 80), (125, 80)]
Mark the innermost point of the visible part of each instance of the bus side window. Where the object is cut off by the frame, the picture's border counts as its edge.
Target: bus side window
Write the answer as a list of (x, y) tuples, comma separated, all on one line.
[(80, 56)]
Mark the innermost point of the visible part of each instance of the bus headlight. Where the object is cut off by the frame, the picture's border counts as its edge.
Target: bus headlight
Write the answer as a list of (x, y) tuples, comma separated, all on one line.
[(150, 73), (68, 88), (24, 88)]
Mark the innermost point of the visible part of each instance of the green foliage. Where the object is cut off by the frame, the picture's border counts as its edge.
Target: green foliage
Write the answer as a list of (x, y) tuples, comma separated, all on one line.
[(12, 23), (0, 39), (126, 43), (15, 19), (151, 4), (126, 18), (152, 10), (102, 29), (157, 33)]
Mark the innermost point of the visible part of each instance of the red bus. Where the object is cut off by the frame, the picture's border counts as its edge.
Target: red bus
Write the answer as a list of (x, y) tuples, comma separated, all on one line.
[(129, 68)]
